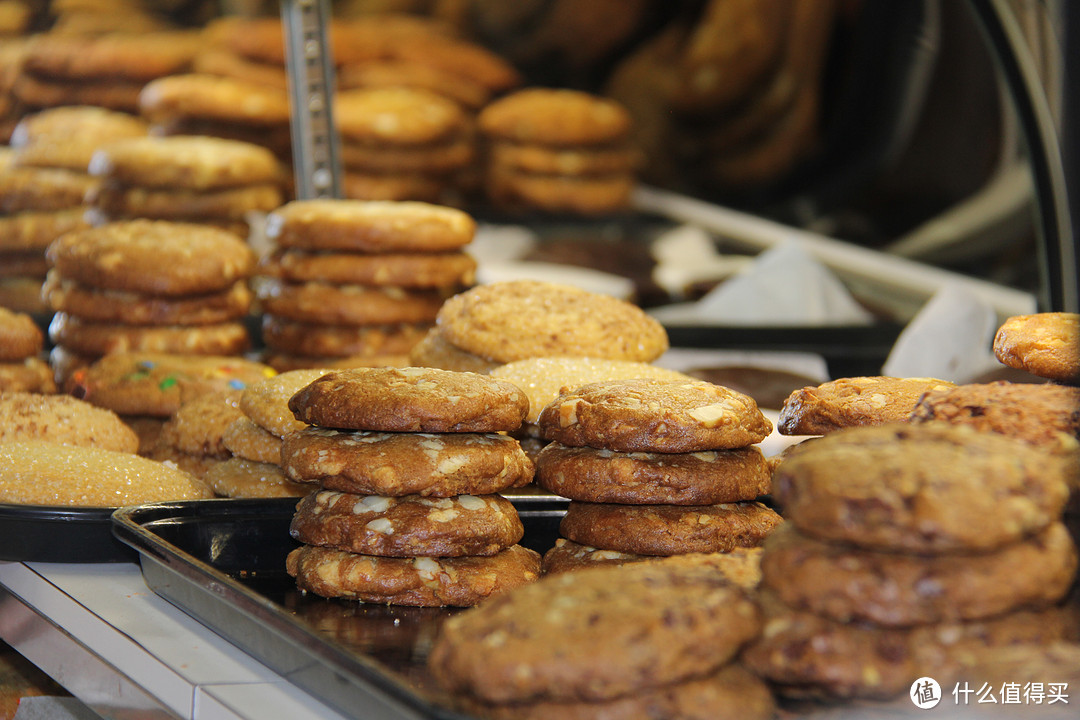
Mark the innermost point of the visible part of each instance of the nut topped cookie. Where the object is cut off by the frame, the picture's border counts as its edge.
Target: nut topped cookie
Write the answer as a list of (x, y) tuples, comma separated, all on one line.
[(1044, 344), (411, 399), (514, 320), (920, 488), (154, 257), (853, 401), (657, 416)]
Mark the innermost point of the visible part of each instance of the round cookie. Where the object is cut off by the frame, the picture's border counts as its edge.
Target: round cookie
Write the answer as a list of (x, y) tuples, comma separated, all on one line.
[(668, 529), (411, 400), (153, 257), (198, 426), (394, 116), (403, 161), (214, 97), (369, 226), (853, 401), (64, 420), (266, 403), (39, 472), (551, 116), (555, 160), (223, 205), (157, 384), (244, 439), (406, 463), (398, 73), (329, 304), (434, 351), (20, 336), (897, 590), (314, 340), (649, 415), (410, 526), (1042, 414), (240, 478), (185, 161), (79, 122), (413, 270), (1044, 344), (30, 375), (514, 320), (43, 189), (421, 581), (584, 194), (34, 230), (928, 488), (394, 186), (606, 476), (96, 339), (132, 56), (595, 634), (132, 308)]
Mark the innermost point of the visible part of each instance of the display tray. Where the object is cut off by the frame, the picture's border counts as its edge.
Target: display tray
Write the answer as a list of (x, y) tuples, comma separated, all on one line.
[(45, 533), (223, 562)]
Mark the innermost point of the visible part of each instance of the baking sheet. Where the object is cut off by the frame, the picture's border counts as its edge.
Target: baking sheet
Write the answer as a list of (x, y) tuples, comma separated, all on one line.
[(223, 562), (45, 533)]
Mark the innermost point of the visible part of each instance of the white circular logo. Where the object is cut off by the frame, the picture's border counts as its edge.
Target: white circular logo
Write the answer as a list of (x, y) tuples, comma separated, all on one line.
[(925, 693)]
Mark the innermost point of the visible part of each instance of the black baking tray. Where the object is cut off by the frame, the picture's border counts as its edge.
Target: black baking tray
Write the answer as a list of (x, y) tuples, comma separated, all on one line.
[(44, 533), (223, 562)]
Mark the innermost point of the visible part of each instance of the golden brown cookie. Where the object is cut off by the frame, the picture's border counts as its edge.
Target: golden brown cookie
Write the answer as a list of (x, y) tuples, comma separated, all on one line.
[(410, 526), (43, 189), (399, 73), (373, 227), (134, 308), (514, 320), (1043, 415), (30, 375), (153, 257), (853, 401), (578, 194), (406, 463), (411, 400), (606, 476), (432, 350), (20, 336), (462, 58), (409, 270), (398, 116), (133, 56), (157, 384), (551, 116), (650, 415), (188, 162), (233, 203), (226, 63), (668, 529), (39, 472), (33, 231), (314, 340), (62, 419), (41, 91), (198, 426), (330, 304), (567, 556), (926, 488), (79, 122), (560, 160), (96, 338), (240, 478), (421, 581), (394, 186), (285, 362), (1044, 344), (596, 634), (266, 403), (214, 97), (244, 439)]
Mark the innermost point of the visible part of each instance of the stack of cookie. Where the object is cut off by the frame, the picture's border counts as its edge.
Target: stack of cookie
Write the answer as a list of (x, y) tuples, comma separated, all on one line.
[(21, 365), (151, 286), (191, 179), (409, 462), (193, 437), (400, 143), (652, 640), (252, 440), (907, 552), (351, 283), (656, 467), (562, 151)]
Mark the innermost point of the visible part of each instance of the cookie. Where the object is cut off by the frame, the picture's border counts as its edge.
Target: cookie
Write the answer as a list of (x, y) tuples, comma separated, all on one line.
[(244, 439), (1044, 344), (315, 340), (432, 350), (33, 230), (1045, 415), (96, 339), (329, 304), (596, 634), (240, 478), (45, 92), (153, 257), (668, 529), (584, 194), (62, 419), (394, 187), (406, 463), (148, 428), (462, 58), (139, 56), (557, 160), (188, 162), (39, 472), (515, 320), (568, 556), (43, 189), (930, 488), (421, 581), (198, 426), (606, 476), (157, 384), (369, 226), (214, 97), (409, 270), (429, 160), (896, 590), (411, 400), (397, 116), (234, 203), (410, 526), (267, 402), (30, 375), (134, 308), (226, 63), (20, 336), (649, 415), (398, 73), (80, 122), (23, 264), (551, 116), (853, 401)]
